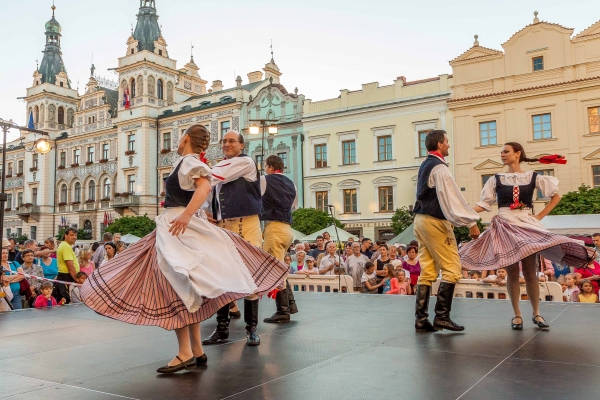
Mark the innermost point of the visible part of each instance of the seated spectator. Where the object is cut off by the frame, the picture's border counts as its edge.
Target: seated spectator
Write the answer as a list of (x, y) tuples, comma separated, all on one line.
[(45, 299), (412, 265), (403, 283), (369, 279), (49, 265), (498, 279), (5, 296), (297, 265), (571, 291), (590, 272), (310, 267), (587, 294), (85, 261), (390, 281), (287, 260), (75, 290)]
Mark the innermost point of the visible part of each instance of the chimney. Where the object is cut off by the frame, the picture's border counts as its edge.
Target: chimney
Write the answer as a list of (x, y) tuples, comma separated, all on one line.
[(216, 86), (255, 76)]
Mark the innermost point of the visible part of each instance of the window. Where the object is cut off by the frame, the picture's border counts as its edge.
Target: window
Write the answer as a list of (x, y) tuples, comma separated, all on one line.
[(19, 199), (538, 63), (77, 196), (594, 119), (63, 159), (63, 193), (160, 52), (422, 147), (9, 201), (19, 232), (224, 127), (131, 142), (34, 196), (8, 233), (131, 184), (105, 151), (595, 174), (91, 119), (9, 170), (61, 113), (321, 156), (159, 89), (33, 232), (132, 91), (549, 172), (284, 158), (386, 199), (131, 51), (106, 188), (322, 199), (259, 161), (76, 156), (485, 178), (542, 127), (90, 154), (349, 152), (34, 160), (384, 148), (167, 140), (20, 170), (61, 85), (350, 205), (92, 190), (487, 133)]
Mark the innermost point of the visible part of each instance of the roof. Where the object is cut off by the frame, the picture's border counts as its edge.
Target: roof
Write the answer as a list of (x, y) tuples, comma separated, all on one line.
[(537, 23), (52, 64), (591, 30), (147, 30), (463, 56), (248, 87), (523, 89), (202, 106)]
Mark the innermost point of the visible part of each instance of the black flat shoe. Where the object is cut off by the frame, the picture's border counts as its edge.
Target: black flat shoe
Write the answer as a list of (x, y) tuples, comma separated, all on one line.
[(169, 369), (201, 360), (540, 324), (516, 327)]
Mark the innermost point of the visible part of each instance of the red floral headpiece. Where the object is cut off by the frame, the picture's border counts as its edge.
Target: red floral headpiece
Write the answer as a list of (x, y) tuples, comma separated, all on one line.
[(553, 159)]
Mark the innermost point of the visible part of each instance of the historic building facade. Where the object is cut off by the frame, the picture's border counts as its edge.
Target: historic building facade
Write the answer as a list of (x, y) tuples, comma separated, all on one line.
[(543, 91), (363, 149)]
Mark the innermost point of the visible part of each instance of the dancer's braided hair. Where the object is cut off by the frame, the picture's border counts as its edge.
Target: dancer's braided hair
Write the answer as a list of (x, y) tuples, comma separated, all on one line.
[(199, 138), (523, 158)]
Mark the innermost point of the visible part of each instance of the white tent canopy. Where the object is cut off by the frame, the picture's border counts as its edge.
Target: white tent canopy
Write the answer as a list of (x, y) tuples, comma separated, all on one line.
[(297, 234), (583, 224), (129, 238), (344, 236)]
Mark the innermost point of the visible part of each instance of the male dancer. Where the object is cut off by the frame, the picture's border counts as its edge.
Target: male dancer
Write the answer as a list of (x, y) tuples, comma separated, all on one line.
[(279, 198), (439, 206), (236, 204)]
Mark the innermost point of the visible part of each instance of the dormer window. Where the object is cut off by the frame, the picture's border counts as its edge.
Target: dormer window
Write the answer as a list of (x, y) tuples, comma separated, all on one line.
[(160, 52), (131, 51), (538, 63), (37, 83), (61, 84)]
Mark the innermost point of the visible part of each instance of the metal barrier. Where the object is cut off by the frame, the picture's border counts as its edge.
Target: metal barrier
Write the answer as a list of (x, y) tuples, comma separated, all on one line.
[(472, 288), (321, 283)]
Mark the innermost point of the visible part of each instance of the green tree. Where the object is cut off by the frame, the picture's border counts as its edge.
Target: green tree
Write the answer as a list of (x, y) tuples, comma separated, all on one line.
[(402, 219), (20, 238), (585, 200), (309, 220), (139, 226), (462, 234)]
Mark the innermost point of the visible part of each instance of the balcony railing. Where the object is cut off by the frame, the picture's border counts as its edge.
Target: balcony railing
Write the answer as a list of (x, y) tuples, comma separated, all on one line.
[(126, 201), (105, 204), (26, 211), (90, 206)]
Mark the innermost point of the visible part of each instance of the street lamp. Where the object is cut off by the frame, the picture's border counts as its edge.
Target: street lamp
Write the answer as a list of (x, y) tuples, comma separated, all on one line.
[(255, 130)]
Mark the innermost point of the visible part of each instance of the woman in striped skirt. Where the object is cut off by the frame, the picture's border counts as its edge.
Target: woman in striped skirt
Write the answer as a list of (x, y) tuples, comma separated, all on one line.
[(516, 233), (187, 268)]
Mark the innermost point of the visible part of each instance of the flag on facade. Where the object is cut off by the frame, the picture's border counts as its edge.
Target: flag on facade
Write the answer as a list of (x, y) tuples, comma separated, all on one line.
[(105, 220), (30, 123), (126, 102)]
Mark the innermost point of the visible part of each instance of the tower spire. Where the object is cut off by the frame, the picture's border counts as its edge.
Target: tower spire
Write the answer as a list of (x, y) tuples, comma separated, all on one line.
[(52, 62), (147, 31), (272, 60)]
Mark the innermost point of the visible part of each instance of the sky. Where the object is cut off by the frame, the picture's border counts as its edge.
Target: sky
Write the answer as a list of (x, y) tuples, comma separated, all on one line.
[(320, 46)]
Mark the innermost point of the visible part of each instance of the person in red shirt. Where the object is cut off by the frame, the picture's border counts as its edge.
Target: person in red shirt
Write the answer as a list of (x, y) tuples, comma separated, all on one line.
[(45, 299), (591, 272)]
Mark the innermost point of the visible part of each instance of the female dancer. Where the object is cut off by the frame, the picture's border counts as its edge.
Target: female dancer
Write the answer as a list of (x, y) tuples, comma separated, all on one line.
[(516, 233), (187, 268)]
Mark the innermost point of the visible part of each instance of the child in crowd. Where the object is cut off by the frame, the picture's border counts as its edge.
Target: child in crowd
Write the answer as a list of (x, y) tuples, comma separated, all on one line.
[(369, 279), (587, 294), (499, 279), (85, 261), (74, 290), (571, 292), (390, 281), (45, 299), (310, 267), (403, 283), (475, 275)]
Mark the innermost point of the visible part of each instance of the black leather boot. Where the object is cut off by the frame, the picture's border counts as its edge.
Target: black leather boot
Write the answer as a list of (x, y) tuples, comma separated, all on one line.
[(290, 294), (283, 310), (443, 306), (222, 330), (422, 323), (251, 320)]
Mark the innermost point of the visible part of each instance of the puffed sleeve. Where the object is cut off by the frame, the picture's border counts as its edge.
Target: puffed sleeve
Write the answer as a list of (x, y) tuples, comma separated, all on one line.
[(547, 184), (190, 170), (488, 194)]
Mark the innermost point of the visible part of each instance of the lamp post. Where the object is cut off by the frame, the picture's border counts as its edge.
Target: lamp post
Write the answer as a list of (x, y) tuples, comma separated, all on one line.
[(254, 130), (42, 146)]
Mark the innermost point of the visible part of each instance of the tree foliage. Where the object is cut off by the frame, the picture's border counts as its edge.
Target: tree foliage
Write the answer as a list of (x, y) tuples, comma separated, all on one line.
[(139, 226), (310, 220), (462, 234), (585, 200), (402, 219)]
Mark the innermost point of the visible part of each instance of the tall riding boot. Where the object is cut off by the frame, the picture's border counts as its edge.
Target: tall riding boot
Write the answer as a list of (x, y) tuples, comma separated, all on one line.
[(422, 323), (251, 320), (443, 306), (283, 309), (290, 294), (222, 330)]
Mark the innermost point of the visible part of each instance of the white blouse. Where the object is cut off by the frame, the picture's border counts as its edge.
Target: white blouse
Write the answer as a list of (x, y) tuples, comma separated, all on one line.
[(191, 169), (546, 184)]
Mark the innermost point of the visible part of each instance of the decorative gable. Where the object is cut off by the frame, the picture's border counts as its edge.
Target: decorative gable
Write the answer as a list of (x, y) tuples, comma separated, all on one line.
[(488, 164), (592, 32), (595, 155), (476, 52)]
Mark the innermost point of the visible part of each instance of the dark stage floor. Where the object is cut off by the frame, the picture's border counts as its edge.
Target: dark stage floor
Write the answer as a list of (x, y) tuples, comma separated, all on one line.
[(338, 347)]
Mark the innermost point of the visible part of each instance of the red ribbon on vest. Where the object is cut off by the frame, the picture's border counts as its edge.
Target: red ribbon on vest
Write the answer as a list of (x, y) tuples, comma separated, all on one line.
[(437, 153), (203, 157), (553, 159)]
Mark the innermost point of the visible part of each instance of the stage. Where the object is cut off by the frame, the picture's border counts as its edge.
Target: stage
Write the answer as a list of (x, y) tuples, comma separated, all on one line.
[(339, 346)]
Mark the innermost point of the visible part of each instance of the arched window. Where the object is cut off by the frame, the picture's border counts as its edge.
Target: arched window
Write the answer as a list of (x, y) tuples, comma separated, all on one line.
[(37, 114), (132, 90), (77, 196), (61, 115), (63, 193), (106, 188), (92, 191), (159, 89)]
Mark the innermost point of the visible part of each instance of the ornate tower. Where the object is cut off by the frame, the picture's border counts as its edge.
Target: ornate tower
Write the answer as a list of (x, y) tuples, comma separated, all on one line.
[(147, 30), (52, 63)]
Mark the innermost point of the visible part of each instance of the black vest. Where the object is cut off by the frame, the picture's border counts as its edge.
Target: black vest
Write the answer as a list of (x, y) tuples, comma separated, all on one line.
[(505, 192), (176, 196), (278, 199), (238, 198), (427, 200)]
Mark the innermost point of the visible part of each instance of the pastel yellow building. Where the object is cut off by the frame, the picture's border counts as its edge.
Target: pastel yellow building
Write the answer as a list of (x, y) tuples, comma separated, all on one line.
[(363, 149), (543, 91)]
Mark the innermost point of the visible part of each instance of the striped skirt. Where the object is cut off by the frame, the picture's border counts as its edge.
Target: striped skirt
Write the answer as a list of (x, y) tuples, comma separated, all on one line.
[(506, 242), (145, 285)]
